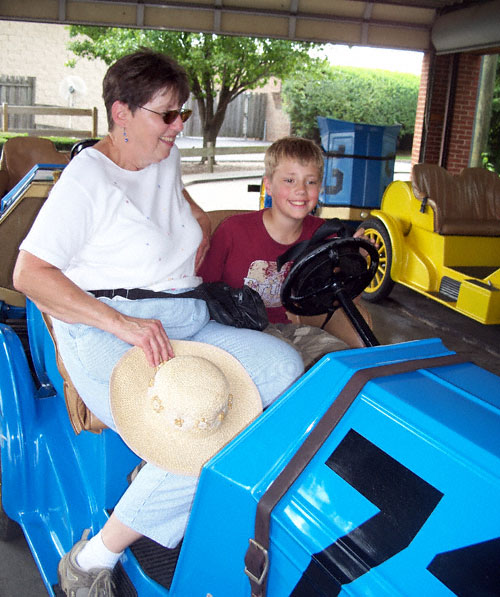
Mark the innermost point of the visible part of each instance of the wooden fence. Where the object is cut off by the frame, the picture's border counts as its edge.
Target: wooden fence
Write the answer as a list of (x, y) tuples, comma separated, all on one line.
[(18, 91), (245, 117), (8, 110)]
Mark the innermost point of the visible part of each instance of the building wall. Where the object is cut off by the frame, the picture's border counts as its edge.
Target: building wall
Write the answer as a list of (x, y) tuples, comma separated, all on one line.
[(40, 50), (458, 113), (464, 113), (277, 121)]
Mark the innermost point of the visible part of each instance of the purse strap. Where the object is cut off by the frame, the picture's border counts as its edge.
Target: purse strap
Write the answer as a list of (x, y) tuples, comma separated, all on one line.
[(328, 228), (257, 555), (141, 293)]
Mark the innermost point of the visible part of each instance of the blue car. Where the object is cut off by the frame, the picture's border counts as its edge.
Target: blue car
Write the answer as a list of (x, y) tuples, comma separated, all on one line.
[(376, 473)]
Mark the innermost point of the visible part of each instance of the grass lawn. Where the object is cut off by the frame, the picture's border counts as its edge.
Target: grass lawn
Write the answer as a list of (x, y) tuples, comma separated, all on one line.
[(61, 143)]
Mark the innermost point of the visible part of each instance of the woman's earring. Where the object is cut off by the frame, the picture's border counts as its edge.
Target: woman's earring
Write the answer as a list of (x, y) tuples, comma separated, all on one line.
[(125, 136)]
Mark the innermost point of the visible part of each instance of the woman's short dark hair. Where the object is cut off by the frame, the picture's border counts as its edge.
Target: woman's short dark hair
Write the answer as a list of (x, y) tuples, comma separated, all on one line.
[(134, 79)]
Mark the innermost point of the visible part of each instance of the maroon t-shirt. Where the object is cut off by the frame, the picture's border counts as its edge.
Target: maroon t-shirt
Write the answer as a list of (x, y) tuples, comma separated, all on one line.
[(242, 252)]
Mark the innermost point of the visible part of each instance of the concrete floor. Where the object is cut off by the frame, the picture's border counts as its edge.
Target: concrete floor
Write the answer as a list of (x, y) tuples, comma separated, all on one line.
[(406, 315)]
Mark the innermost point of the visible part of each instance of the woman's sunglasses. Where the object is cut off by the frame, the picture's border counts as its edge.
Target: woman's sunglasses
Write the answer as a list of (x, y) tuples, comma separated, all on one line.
[(170, 115)]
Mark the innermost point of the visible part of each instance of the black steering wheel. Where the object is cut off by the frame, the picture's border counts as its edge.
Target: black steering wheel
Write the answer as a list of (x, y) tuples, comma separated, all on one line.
[(77, 147), (334, 272)]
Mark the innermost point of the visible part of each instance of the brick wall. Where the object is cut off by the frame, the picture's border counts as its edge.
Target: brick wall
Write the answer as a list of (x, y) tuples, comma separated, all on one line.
[(464, 113), (463, 109)]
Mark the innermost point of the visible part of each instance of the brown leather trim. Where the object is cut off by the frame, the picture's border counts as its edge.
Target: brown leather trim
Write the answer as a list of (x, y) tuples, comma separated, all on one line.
[(81, 418)]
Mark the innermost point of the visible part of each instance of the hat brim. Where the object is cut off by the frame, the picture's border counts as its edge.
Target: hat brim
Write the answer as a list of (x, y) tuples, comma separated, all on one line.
[(170, 449)]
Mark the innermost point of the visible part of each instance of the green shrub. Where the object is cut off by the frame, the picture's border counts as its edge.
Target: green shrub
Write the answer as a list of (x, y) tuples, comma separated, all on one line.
[(491, 158), (61, 143), (353, 94)]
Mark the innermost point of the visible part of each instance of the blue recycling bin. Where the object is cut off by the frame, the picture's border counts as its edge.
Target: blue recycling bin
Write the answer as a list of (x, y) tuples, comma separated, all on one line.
[(359, 162)]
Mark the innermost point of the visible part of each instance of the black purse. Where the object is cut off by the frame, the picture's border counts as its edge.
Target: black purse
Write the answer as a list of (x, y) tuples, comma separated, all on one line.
[(238, 307)]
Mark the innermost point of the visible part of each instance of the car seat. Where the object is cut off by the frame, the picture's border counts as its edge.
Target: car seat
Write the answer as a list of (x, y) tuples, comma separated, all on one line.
[(20, 154)]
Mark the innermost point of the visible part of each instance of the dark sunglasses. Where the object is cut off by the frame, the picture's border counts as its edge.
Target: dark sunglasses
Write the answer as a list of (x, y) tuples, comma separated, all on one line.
[(171, 115)]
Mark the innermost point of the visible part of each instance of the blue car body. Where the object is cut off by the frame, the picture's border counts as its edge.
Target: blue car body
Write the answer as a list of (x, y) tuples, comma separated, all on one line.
[(401, 499)]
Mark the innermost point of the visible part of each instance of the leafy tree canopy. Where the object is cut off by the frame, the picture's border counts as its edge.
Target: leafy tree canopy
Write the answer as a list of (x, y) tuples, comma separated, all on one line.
[(354, 94), (492, 156), (219, 67)]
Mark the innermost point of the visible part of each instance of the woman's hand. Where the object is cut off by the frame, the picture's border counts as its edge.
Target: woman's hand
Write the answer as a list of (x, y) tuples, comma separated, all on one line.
[(56, 295), (147, 334)]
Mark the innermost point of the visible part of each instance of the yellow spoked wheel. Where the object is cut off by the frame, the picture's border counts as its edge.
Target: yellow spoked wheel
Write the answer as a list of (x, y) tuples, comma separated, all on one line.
[(382, 283)]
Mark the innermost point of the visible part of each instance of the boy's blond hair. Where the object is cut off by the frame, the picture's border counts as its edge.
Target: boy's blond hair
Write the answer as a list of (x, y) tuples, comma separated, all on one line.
[(303, 150)]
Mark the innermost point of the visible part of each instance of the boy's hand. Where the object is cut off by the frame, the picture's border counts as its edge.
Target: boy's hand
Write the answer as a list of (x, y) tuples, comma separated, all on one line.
[(360, 233)]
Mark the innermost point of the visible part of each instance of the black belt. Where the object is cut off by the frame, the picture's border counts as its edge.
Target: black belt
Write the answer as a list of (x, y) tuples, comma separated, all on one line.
[(238, 307), (134, 294)]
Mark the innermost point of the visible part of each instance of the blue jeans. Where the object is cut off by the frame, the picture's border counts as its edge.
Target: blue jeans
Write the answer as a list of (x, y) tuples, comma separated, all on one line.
[(157, 503)]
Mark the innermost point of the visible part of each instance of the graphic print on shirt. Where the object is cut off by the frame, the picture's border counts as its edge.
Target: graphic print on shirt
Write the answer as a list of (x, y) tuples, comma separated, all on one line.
[(264, 277)]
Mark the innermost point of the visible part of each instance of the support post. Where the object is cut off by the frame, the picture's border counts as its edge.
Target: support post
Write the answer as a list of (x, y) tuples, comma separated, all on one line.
[(5, 117), (483, 109), (94, 122)]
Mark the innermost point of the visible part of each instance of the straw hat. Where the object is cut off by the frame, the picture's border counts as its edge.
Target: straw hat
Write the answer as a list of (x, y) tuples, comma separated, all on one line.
[(178, 415)]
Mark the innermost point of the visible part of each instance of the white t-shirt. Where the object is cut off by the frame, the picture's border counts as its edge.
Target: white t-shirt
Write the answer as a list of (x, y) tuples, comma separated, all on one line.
[(106, 227)]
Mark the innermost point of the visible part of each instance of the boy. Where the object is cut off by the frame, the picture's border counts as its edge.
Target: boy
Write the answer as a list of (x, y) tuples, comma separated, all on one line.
[(244, 248)]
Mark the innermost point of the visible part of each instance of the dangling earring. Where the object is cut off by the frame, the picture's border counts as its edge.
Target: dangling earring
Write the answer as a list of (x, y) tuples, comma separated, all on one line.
[(125, 136)]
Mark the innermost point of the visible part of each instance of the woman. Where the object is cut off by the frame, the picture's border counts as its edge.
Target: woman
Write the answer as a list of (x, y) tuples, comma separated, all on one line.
[(120, 218)]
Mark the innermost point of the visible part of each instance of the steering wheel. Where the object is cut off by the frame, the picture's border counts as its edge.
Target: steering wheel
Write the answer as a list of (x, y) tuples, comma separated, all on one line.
[(316, 280), (77, 147)]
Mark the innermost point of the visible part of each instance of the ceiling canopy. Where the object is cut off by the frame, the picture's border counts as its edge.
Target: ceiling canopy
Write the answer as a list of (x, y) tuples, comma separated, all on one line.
[(402, 24)]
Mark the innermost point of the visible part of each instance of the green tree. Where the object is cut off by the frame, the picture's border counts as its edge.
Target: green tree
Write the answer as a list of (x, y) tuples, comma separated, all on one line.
[(354, 94), (219, 67), (491, 158)]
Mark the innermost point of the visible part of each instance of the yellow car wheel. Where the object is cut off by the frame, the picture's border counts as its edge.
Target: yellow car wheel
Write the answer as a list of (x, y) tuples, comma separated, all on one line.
[(382, 283)]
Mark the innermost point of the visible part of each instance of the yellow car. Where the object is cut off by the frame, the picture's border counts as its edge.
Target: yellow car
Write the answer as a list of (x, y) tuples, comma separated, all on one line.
[(440, 235)]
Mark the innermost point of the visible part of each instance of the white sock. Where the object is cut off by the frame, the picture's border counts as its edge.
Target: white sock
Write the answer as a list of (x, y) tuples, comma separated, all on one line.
[(96, 555)]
